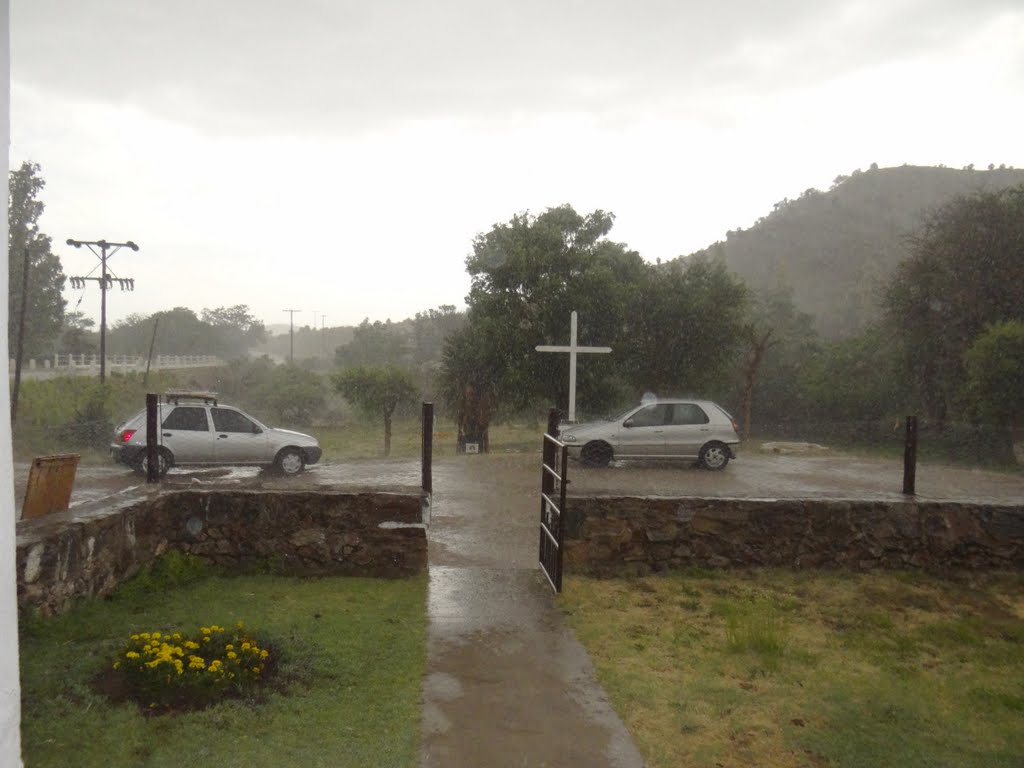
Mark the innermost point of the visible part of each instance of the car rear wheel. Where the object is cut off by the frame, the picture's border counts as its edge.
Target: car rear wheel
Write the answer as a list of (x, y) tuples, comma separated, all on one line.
[(290, 461), (714, 456), (596, 454), (164, 461)]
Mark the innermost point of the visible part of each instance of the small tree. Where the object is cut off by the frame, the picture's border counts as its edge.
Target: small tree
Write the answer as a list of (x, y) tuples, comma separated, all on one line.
[(995, 375), (377, 391)]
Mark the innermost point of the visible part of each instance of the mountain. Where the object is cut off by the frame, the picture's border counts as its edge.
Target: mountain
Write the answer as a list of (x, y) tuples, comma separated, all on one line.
[(837, 249)]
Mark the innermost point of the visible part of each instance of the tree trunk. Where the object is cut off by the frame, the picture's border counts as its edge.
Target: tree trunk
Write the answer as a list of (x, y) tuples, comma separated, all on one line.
[(387, 434), (758, 346)]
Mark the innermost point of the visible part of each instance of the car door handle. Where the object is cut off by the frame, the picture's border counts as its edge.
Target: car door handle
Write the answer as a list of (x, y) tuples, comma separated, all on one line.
[(166, 434), (222, 437)]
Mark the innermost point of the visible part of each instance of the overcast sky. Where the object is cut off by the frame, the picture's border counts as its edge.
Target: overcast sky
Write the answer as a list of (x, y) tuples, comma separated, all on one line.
[(339, 157)]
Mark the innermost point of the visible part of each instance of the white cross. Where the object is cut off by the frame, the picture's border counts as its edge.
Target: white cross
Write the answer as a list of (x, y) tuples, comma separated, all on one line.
[(572, 349)]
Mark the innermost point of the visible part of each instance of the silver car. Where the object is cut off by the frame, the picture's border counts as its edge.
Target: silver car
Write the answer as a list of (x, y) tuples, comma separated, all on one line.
[(195, 430), (694, 430)]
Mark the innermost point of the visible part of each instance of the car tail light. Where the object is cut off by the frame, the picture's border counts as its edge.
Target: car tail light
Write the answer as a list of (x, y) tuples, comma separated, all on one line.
[(735, 426), (126, 435)]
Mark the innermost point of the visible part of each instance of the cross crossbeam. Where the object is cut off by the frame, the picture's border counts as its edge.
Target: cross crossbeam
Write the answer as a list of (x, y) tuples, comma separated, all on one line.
[(573, 349)]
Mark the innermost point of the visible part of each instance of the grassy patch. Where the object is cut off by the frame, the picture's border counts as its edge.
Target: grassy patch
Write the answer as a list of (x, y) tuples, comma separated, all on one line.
[(775, 668), (352, 662)]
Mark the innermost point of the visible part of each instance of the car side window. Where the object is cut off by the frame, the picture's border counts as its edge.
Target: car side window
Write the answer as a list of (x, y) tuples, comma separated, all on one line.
[(227, 420), (688, 413), (187, 419), (651, 416)]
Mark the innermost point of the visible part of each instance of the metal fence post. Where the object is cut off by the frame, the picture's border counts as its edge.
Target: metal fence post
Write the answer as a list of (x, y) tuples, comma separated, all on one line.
[(152, 460), (910, 456), (428, 448)]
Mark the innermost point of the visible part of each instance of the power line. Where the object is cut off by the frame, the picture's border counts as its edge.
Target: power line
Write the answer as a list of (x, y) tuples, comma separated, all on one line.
[(106, 282)]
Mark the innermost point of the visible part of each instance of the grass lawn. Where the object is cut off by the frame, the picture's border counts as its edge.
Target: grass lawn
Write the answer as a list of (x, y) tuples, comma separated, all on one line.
[(780, 668), (352, 652)]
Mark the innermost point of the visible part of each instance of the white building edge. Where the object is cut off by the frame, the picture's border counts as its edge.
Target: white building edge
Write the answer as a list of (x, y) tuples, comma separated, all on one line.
[(10, 690)]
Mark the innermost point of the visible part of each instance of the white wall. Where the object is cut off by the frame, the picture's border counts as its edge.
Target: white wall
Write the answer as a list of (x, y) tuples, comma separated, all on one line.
[(10, 694)]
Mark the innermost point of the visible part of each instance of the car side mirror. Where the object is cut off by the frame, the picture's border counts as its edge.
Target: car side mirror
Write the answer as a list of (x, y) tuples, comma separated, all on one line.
[(256, 430), (627, 423)]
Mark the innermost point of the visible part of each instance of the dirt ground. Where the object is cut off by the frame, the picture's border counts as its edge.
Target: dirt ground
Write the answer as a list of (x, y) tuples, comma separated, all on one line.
[(752, 475)]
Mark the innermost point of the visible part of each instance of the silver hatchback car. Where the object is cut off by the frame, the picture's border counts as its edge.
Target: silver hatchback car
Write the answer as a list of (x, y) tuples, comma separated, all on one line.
[(694, 430), (195, 429)]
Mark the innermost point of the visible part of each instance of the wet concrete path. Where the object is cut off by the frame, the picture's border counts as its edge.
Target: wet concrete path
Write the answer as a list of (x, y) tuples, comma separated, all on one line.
[(507, 684)]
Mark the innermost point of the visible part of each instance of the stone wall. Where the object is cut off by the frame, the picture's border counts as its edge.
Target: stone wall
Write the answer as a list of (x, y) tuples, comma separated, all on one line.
[(613, 535), (81, 553)]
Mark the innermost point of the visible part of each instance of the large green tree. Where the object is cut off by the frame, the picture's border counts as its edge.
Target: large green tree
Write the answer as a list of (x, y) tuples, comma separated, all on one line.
[(966, 272), (527, 276), (43, 301), (684, 328), (377, 391)]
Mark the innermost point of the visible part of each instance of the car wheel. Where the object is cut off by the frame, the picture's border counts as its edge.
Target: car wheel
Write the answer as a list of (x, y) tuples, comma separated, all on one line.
[(164, 461), (596, 455), (290, 461), (714, 456)]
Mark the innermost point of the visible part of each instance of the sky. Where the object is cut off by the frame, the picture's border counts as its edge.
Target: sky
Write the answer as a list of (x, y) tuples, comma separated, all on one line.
[(339, 157)]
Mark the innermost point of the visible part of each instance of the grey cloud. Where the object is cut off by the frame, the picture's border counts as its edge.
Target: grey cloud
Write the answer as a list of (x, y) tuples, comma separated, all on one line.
[(333, 66)]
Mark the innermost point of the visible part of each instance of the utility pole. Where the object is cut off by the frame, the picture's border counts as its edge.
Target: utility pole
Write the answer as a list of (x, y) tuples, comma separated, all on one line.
[(291, 334), (106, 282)]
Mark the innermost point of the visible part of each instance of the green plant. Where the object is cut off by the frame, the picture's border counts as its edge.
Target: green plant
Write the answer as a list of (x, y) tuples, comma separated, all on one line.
[(170, 570), (190, 670)]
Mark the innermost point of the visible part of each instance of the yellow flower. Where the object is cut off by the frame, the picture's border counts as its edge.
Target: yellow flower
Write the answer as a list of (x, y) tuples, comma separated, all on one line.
[(131, 655), (263, 654), (190, 645), (246, 646), (135, 637), (229, 647), (232, 655), (205, 630), (144, 635), (156, 635), (117, 664), (255, 670), (176, 636)]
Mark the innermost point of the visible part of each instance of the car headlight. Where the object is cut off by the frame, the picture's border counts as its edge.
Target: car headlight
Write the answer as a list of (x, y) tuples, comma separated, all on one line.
[(568, 438)]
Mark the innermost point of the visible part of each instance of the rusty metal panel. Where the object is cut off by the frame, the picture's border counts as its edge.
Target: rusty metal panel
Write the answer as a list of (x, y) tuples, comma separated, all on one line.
[(49, 485)]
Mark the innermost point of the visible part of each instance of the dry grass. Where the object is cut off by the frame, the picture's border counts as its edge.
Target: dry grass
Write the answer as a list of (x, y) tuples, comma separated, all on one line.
[(773, 668)]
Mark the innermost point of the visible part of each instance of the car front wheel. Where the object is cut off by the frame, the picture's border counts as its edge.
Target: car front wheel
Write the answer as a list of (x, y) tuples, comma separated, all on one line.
[(714, 456), (290, 461), (596, 454)]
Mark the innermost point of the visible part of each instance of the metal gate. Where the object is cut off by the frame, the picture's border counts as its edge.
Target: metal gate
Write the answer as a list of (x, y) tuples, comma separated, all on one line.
[(552, 503)]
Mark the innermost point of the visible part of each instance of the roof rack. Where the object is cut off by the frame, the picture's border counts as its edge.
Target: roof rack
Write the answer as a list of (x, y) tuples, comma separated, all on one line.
[(174, 396)]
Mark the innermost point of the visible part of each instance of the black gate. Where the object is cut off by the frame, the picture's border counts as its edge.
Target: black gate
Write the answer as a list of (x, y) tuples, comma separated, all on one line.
[(552, 503)]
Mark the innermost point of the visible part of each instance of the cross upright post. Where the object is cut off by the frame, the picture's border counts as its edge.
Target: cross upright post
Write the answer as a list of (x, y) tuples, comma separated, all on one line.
[(573, 349)]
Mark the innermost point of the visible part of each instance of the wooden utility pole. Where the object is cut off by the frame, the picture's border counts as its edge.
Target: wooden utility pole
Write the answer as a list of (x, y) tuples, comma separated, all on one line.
[(291, 334), (106, 282)]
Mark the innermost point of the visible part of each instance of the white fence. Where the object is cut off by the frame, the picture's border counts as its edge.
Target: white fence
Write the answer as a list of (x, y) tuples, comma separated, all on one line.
[(89, 365)]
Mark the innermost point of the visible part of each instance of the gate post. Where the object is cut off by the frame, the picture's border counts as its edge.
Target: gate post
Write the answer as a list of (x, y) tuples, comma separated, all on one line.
[(910, 456), (427, 454), (152, 460)]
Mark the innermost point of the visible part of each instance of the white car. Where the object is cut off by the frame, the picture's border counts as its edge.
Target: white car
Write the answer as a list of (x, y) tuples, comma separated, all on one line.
[(196, 430), (694, 430)]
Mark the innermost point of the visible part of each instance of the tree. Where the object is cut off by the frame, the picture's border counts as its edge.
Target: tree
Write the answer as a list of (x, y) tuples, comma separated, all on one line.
[(78, 336), (376, 391), (289, 394), (995, 375), (469, 385), (965, 272), (236, 328), (43, 301), (374, 343), (684, 329), (526, 278)]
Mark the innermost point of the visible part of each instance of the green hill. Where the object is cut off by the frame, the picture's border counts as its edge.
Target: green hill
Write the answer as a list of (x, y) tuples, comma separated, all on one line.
[(836, 249)]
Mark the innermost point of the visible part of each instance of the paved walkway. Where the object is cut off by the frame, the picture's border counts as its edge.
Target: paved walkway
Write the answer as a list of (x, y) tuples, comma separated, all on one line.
[(507, 684)]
